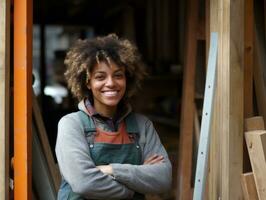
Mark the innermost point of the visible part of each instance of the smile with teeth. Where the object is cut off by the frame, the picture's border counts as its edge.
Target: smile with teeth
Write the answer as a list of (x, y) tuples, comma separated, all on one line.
[(110, 93)]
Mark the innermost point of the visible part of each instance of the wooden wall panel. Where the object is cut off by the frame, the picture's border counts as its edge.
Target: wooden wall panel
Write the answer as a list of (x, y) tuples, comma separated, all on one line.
[(4, 96)]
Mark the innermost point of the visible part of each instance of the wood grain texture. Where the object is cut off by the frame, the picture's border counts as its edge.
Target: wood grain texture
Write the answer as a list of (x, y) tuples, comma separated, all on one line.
[(256, 143), (248, 58), (229, 120), (254, 123), (259, 63), (187, 110), (249, 187), (4, 97), (247, 179), (214, 162)]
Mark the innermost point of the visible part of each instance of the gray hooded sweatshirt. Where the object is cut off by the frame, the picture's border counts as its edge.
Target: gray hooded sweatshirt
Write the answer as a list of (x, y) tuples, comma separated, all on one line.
[(80, 172)]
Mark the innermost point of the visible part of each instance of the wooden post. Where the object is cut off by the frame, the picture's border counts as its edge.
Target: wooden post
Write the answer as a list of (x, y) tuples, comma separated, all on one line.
[(187, 111), (22, 99), (214, 163), (4, 97), (230, 84), (248, 62), (226, 167), (259, 64)]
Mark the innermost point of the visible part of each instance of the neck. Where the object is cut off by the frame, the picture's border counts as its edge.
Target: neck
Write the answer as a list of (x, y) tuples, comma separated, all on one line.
[(105, 111)]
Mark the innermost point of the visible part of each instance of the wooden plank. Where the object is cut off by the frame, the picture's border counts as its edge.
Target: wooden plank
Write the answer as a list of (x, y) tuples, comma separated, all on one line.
[(247, 179), (256, 143), (254, 123), (207, 27), (187, 110), (259, 63), (248, 58), (249, 187), (4, 97), (229, 124), (251, 124), (196, 125), (214, 164), (42, 135), (22, 99)]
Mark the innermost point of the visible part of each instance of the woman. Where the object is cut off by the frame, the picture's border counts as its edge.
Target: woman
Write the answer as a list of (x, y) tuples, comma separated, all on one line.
[(106, 151)]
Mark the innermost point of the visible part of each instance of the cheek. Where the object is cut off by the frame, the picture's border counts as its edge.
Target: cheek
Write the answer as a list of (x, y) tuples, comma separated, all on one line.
[(95, 87), (124, 85)]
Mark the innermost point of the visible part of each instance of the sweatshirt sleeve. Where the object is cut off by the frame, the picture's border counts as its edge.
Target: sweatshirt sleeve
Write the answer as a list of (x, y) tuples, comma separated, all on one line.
[(77, 167), (147, 179)]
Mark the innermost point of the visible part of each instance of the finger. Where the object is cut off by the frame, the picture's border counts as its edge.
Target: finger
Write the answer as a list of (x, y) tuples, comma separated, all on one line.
[(156, 160), (150, 158)]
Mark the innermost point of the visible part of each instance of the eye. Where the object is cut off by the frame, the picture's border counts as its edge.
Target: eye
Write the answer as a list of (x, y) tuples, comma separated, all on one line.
[(99, 76), (119, 75)]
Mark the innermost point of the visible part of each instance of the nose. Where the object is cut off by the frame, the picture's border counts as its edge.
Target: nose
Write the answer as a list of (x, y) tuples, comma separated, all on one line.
[(109, 81)]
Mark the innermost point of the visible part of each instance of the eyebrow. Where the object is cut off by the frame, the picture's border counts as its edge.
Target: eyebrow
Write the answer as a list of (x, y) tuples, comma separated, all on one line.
[(118, 70)]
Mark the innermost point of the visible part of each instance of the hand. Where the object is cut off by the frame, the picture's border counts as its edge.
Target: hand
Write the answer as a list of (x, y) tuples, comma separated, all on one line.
[(154, 159), (106, 169)]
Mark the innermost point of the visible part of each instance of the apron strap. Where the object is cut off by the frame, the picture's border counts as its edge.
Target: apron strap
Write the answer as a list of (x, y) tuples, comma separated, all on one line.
[(131, 123), (89, 127), (88, 124)]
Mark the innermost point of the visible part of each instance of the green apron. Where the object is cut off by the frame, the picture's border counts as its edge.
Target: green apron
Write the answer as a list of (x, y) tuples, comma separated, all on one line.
[(106, 153)]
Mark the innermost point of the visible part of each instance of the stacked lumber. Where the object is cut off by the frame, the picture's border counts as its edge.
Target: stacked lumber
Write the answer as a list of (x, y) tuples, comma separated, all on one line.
[(254, 184)]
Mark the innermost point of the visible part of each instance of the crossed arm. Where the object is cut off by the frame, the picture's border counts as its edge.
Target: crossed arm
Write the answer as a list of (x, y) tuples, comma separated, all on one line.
[(95, 182), (154, 159)]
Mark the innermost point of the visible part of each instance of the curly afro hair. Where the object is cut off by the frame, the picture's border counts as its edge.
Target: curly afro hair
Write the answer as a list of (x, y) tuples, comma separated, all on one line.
[(85, 54)]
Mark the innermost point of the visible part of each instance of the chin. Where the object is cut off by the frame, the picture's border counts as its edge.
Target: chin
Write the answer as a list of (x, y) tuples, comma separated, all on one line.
[(111, 103)]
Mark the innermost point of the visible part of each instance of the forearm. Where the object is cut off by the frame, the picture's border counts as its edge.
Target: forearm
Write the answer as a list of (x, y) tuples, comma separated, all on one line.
[(146, 179)]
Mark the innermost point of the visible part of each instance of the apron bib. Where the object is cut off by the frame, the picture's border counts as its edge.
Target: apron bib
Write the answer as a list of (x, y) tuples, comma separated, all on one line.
[(108, 147)]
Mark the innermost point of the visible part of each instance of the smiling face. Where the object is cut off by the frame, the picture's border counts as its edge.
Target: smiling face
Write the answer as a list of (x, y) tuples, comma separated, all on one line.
[(108, 86)]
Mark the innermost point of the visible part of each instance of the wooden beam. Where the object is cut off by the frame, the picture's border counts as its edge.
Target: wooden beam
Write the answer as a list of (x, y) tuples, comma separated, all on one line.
[(259, 63), (22, 99), (196, 126), (4, 97), (214, 164), (249, 187), (254, 123), (248, 58), (228, 120), (247, 179), (256, 143), (187, 111)]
